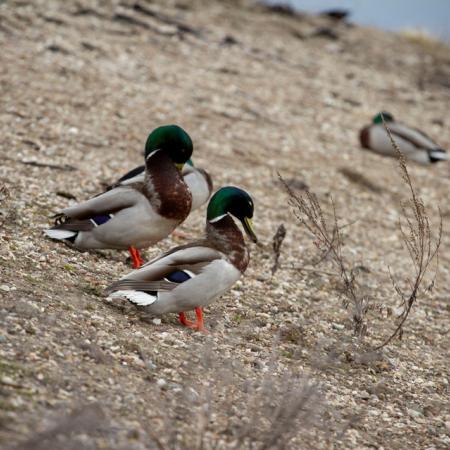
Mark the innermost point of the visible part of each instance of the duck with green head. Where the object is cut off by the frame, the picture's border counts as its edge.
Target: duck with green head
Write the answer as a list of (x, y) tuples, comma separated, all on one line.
[(140, 213), (414, 144), (191, 276)]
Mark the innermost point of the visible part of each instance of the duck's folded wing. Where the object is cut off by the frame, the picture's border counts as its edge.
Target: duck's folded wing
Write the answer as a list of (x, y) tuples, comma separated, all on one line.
[(133, 285), (152, 276), (415, 137), (107, 203), (136, 175)]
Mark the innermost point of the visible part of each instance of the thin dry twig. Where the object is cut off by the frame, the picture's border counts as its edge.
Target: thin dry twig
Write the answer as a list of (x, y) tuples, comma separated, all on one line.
[(65, 167), (277, 241), (416, 234), (328, 239), (4, 192), (421, 246), (260, 413)]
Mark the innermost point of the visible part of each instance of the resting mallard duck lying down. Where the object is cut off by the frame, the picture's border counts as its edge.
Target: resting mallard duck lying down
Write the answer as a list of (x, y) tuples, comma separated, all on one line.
[(193, 275), (414, 144), (137, 214)]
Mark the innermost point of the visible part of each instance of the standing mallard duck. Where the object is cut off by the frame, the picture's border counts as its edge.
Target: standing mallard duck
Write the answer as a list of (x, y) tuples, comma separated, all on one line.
[(197, 179), (414, 144), (193, 275), (137, 214)]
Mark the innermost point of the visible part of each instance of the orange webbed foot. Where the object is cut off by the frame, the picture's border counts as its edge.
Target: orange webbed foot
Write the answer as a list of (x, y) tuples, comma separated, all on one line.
[(197, 325)]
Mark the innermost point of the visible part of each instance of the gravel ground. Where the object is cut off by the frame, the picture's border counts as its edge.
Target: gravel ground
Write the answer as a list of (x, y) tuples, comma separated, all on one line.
[(82, 83)]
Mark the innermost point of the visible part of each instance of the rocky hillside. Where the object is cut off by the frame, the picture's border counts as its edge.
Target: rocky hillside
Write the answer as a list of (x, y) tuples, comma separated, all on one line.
[(260, 91)]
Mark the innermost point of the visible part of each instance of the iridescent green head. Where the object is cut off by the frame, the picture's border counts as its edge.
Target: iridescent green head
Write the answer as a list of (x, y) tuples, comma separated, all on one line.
[(234, 201), (378, 119), (173, 140)]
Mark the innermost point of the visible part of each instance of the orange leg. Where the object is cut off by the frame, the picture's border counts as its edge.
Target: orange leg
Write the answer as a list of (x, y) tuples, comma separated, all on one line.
[(198, 324), (135, 257)]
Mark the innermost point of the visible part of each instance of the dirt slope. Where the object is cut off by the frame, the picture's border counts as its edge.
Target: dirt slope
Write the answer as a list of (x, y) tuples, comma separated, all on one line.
[(81, 85)]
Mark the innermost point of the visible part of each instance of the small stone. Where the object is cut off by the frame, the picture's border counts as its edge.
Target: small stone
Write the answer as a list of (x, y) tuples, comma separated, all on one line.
[(161, 382), (157, 321), (7, 380), (365, 395), (414, 413), (5, 288), (447, 425)]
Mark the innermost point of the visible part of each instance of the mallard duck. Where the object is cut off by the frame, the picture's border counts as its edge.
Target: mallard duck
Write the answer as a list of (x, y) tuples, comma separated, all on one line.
[(138, 214), (197, 179), (414, 144), (193, 275)]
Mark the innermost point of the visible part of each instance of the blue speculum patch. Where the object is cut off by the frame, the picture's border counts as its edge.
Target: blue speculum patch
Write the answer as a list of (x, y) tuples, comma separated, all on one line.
[(178, 276), (100, 220)]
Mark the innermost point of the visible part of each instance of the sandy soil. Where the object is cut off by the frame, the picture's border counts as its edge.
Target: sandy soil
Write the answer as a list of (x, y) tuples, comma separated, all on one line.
[(82, 83)]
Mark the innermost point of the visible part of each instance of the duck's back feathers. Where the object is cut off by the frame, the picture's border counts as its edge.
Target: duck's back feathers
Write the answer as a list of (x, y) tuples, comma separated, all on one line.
[(192, 257), (415, 137), (118, 219), (200, 184), (136, 175), (413, 143), (104, 204)]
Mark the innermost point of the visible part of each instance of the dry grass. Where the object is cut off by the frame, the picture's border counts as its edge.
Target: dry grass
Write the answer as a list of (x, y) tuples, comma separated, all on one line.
[(227, 409), (277, 242), (422, 247), (329, 241), (420, 37), (417, 236)]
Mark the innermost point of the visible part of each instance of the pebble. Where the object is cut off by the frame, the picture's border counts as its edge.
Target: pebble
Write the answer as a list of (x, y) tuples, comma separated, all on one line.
[(365, 395), (157, 321), (161, 382), (414, 413)]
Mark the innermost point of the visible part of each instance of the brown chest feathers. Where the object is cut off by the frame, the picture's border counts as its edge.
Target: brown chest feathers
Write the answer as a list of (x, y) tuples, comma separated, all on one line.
[(225, 236), (364, 137), (165, 188)]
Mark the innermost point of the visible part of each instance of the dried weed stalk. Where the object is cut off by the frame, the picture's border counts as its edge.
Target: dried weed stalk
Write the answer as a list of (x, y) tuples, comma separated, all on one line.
[(84, 420), (416, 234), (4, 193), (277, 241), (418, 239), (233, 410), (4, 196), (328, 239)]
